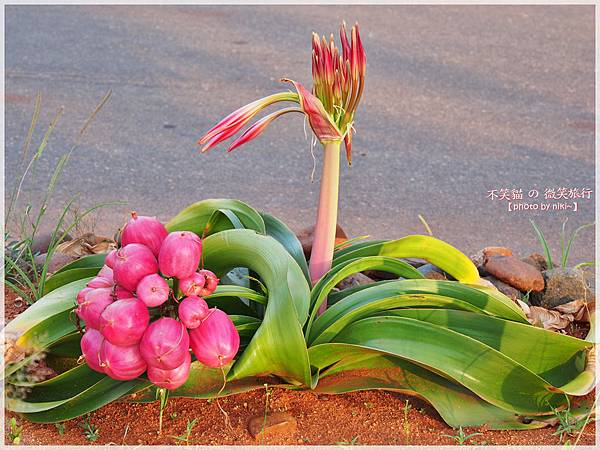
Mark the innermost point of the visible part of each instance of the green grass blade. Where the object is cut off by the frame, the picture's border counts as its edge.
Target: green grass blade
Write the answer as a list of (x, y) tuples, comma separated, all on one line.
[(567, 251), (543, 243)]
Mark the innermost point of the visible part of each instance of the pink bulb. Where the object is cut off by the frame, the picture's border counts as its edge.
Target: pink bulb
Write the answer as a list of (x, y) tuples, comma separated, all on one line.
[(94, 303), (121, 293), (106, 272), (99, 282), (216, 341), (121, 363), (144, 230), (165, 343), (153, 290), (134, 262), (211, 282), (180, 254), (173, 378), (192, 285), (192, 311), (110, 259), (90, 348), (124, 321), (82, 293)]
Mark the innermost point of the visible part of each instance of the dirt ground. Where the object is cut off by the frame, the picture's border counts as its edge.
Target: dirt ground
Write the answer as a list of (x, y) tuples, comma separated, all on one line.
[(370, 417)]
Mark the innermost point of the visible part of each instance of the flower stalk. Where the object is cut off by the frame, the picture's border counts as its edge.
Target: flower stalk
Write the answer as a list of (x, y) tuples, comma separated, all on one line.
[(338, 83)]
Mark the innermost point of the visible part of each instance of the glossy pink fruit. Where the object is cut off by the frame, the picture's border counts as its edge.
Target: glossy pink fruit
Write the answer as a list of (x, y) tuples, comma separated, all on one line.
[(192, 311), (94, 303), (106, 272), (192, 285), (121, 363), (124, 321), (90, 348), (180, 254), (165, 343), (134, 262), (153, 290), (144, 230), (211, 282), (81, 294), (110, 259), (216, 341), (173, 378), (121, 293), (99, 282)]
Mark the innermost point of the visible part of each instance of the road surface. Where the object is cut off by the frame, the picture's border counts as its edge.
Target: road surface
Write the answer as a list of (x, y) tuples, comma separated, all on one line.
[(459, 101)]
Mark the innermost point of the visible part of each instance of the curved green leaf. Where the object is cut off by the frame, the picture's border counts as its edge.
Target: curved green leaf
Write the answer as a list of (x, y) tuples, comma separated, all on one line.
[(488, 373), (278, 346), (437, 252), (65, 277), (354, 368), (286, 237), (196, 216), (84, 262), (343, 269)]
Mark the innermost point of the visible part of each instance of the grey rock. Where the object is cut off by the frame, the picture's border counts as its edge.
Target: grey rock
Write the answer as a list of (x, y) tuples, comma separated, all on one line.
[(432, 272), (506, 289), (354, 280), (57, 260), (563, 285), (41, 242)]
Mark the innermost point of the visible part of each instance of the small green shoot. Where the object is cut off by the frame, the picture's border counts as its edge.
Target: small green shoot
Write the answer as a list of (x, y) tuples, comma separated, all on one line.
[(16, 431), (569, 424), (406, 424), (185, 437), (565, 243), (60, 427), (461, 438), (353, 441), (90, 431), (426, 225)]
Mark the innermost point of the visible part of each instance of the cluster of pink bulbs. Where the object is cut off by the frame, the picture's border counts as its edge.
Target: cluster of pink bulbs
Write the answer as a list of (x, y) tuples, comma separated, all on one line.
[(133, 286)]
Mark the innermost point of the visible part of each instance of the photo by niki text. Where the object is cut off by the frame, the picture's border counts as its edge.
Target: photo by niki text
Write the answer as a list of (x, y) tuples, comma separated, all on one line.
[(548, 199)]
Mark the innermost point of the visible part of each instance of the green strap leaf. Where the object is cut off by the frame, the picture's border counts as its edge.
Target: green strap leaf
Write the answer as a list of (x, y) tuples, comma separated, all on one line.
[(555, 357), (65, 277), (278, 346), (435, 251), (490, 374), (196, 216), (286, 237), (354, 368), (344, 269), (84, 262)]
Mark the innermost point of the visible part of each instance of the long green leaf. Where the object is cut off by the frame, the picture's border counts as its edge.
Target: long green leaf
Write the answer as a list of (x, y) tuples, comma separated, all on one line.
[(68, 276), (491, 375), (343, 269), (437, 252), (85, 262), (286, 237), (354, 368), (555, 357), (196, 216), (278, 347)]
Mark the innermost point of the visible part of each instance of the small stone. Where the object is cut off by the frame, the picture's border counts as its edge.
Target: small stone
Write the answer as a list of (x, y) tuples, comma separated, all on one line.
[(496, 251), (506, 289), (537, 261), (432, 272), (354, 280), (563, 285), (276, 424), (306, 237), (41, 242), (515, 273), (57, 260)]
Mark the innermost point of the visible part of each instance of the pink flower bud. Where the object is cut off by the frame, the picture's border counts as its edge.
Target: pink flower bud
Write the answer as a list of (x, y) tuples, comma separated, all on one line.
[(180, 254), (144, 230)]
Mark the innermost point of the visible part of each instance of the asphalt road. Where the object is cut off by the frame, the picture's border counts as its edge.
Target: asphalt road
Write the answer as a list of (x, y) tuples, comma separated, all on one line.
[(459, 100)]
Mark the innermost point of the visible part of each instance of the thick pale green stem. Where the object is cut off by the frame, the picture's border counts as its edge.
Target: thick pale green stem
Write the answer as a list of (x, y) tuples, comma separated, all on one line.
[(324, 234)]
